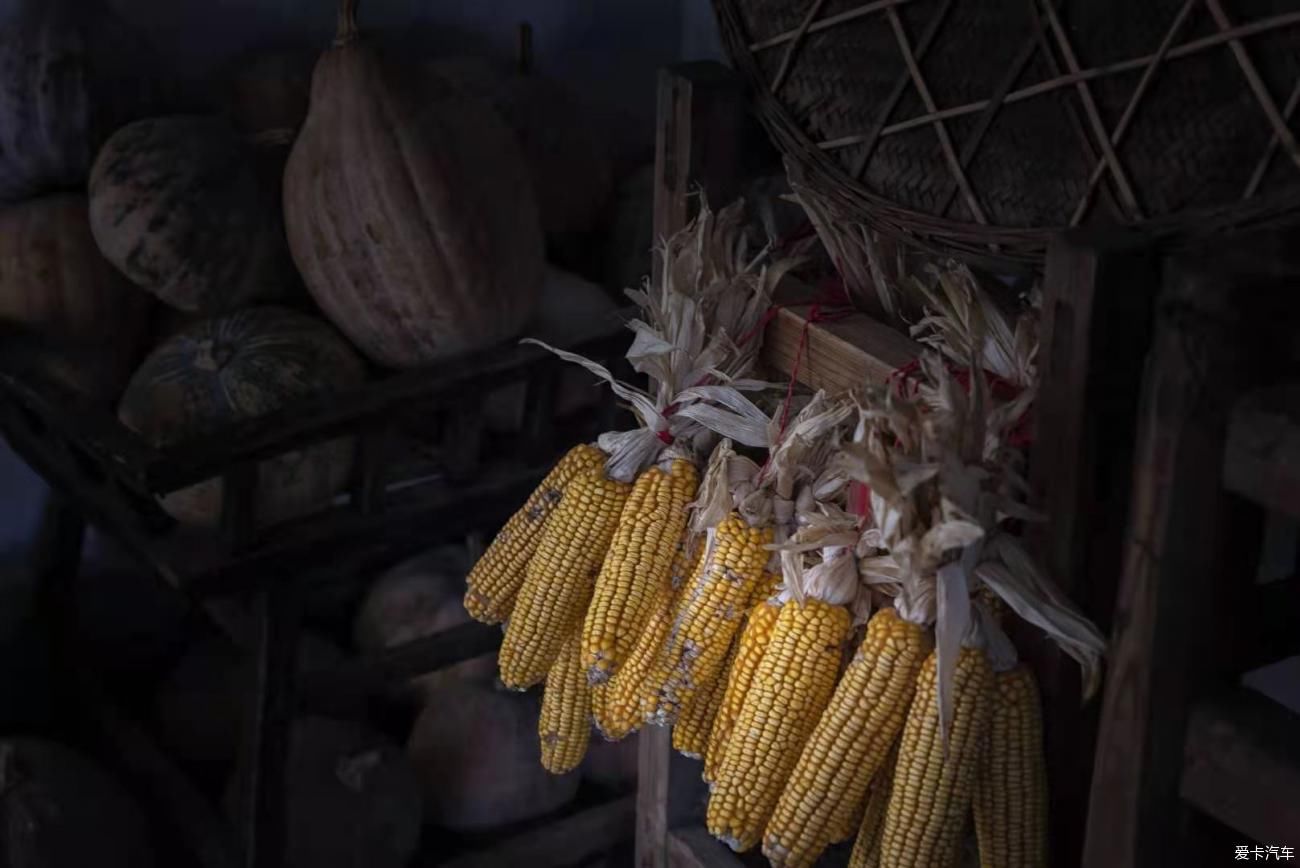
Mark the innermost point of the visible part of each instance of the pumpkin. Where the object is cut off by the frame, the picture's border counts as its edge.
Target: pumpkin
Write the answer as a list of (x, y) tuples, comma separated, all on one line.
[(475, 750), (236, 367), (60, 810), (54, 283), (569, 158), (177, 204), (409, 211), (199, 706), (70, 73), (265, 92), (420, 597), (353, 798)]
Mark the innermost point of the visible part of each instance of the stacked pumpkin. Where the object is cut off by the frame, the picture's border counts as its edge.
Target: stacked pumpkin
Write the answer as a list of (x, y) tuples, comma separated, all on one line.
[(397, 196)]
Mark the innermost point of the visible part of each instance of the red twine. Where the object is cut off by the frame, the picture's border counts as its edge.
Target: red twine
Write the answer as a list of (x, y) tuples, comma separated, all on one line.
[(1022, 433)]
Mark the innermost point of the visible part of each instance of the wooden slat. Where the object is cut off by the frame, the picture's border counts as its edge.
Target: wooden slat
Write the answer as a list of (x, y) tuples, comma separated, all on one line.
[(566, 841), (1159, 659), (1262, 459), (700, 144), (694, 847), (1243, 766), (838, 355), (1098, 298)]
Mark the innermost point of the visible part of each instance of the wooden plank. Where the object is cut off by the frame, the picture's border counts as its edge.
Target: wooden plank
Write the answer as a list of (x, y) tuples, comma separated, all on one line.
[(1243, 766), (694, 847), (1098, 301), (838, 355), (344, 689), (698, 145), (1158, 660), (566, 841), (702, 119), (1262, 459)]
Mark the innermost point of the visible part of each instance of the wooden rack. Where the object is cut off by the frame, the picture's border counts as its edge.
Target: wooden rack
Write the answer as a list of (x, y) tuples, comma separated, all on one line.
[(251, 581)]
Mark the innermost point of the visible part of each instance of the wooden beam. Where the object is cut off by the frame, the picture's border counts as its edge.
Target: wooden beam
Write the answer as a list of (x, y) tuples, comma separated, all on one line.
[(837, 355), (1098, 301), (557, 843), (1177, 530), (702, 119), (698, 145), (1262, 459), (1243, 765)]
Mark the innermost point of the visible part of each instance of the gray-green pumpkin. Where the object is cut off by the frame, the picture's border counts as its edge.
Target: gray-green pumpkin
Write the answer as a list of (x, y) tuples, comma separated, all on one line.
[(180, 206), (237, 367)]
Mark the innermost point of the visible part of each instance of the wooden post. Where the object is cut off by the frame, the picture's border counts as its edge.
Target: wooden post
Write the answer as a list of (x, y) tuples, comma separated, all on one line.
[(1175, 538), (698, 145), (1098, 297)]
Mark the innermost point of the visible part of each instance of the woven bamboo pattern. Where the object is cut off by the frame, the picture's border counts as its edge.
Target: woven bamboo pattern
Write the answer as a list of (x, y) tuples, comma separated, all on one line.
[(980, 127)]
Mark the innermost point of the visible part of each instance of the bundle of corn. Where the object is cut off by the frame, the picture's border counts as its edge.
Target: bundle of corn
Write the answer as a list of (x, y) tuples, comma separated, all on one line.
[(944, 481), (581, 571), (742, 510)]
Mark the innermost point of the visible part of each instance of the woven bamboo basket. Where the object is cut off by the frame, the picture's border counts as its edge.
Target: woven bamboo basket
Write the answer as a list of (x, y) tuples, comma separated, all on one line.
[(977, 128)]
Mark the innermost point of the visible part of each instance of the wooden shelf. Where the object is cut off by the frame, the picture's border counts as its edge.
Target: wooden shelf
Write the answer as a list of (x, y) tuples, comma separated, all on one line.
[(1262, 458), (839, 354), (1242, 765)]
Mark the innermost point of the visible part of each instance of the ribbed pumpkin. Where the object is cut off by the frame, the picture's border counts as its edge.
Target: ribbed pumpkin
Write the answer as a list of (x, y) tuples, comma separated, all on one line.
[(237, 367), (70, 73), (177, 204), (54, 282), (409, 211), (567, 156)]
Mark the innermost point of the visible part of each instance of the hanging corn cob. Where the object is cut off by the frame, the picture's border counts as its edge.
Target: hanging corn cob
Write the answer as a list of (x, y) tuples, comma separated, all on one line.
[(850, 743), (934, 782), (866, 848), (494, 582), (592, 547), (1011, 786), (753, 642), (564, 726), (691, 731), (707, 618), (790, 690), (637, 566), (560, 578), (616, 704)]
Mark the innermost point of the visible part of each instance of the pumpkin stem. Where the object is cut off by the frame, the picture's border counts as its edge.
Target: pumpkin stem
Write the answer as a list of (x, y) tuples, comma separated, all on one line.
[(347, 25)]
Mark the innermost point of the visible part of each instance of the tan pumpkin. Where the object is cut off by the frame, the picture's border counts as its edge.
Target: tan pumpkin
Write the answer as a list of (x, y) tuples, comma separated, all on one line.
[(55, 283), (475, 751), (421, 597), (409, 212)]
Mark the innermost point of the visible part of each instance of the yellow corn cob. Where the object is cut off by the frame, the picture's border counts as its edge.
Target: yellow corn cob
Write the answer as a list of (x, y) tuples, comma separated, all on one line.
[(791, 688), (564, 727), (494, 582), (560, 577), (866, 849), (638, 564), (933, 788), (691, 731), (616, 704), (708, 618), (749, 653), (1011, 789), (850, 742)]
